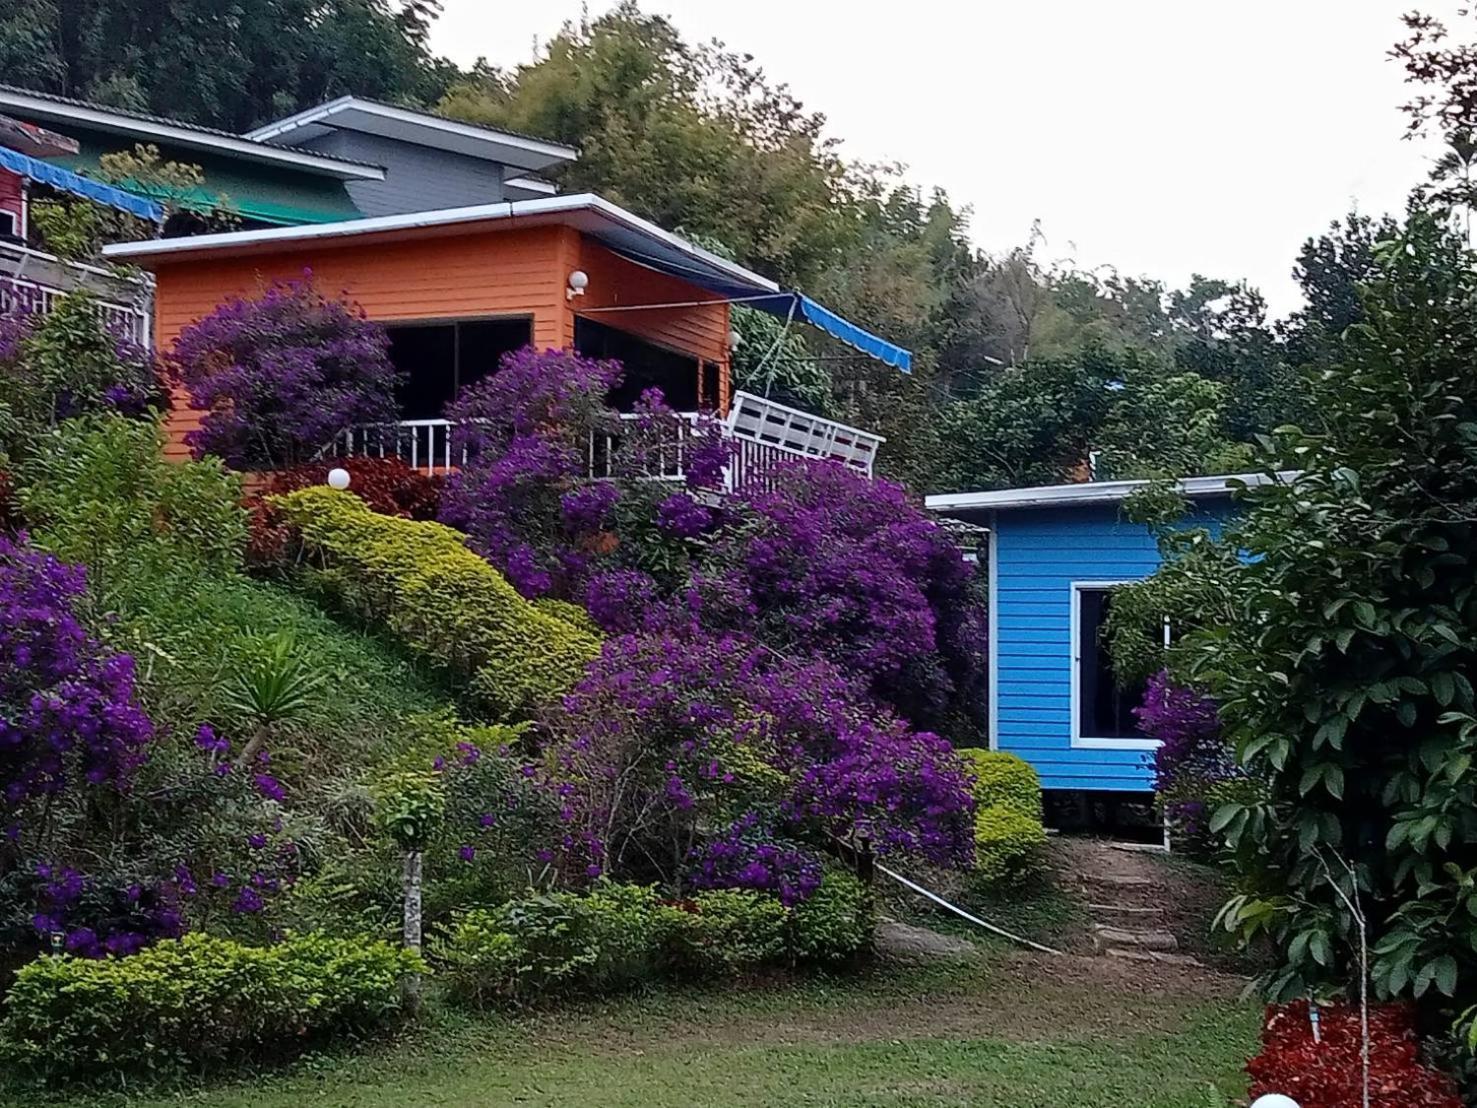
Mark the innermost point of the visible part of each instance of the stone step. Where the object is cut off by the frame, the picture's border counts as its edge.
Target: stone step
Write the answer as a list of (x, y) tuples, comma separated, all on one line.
[(1154, 956), (1126, 909), (1126, 916), (1116, 880), (1106, 938)]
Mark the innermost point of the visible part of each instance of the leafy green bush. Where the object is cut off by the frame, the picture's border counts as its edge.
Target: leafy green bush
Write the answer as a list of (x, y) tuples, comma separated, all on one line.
[(442, 600), (1003, 779), (726, 931), (540, 944), (834, 924), (162, 542), (1007, 844), (101, 492), (195, 1001), (1008, 832)]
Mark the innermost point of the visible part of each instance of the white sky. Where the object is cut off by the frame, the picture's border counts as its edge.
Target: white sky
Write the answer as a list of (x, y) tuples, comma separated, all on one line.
[(1164, 137)]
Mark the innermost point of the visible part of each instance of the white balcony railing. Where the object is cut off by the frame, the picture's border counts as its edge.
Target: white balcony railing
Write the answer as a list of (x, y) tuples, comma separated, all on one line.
[(763, 434), (34, 281)]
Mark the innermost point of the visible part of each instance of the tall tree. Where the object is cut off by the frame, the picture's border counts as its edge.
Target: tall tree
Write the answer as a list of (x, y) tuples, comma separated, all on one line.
[(226, 63)]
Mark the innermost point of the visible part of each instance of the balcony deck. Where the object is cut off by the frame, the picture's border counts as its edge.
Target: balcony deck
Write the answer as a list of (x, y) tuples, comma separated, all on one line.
[(764, 433), (35, 281)]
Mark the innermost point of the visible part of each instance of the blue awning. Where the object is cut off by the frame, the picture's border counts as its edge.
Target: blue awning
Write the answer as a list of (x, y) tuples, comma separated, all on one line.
[(796, 305), (67, 181), (785, 304)]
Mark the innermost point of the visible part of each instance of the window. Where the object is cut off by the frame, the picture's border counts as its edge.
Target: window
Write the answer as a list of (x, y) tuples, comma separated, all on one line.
[(9, 226), (646, 364), (438, 360), (1102, 706)]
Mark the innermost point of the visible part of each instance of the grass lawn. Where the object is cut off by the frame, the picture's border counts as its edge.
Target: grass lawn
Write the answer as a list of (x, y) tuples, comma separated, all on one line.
[(1006, 1031)]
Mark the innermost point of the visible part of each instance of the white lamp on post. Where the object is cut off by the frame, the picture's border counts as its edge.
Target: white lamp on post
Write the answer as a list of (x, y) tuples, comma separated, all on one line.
[(579, 280), (338, 478), (1274, 1100)]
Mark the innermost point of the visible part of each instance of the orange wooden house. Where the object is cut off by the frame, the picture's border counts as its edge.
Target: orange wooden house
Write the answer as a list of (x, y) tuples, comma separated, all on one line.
[(458, 288)]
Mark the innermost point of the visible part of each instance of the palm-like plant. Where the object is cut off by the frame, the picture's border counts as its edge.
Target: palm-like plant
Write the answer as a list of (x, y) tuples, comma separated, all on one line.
[(273, 686)]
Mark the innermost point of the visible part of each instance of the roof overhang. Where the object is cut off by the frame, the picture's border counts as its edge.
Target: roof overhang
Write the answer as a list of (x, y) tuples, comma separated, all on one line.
[(57, 111), (965, 504), (352, 113), (636, 239)]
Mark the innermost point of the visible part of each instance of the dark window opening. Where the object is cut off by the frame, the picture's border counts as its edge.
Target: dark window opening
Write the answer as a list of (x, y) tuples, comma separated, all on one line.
[(646, 364), (1104, 704), (438, 360), (712, 385)]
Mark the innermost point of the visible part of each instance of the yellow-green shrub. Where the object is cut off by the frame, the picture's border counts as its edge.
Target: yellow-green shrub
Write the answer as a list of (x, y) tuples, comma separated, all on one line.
[(569, 613), (1003, 779), (441, 599), (192, 1001), (1008, 833), (1007, 844)]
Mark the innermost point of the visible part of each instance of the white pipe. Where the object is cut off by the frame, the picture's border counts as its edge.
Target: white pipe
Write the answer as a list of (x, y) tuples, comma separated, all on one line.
[(901, 880)]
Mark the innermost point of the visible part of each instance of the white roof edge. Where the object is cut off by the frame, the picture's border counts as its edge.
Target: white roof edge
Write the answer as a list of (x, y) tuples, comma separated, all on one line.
[(1089, 492), (446, 217), (309, 116), (188, 136), (532, 184)]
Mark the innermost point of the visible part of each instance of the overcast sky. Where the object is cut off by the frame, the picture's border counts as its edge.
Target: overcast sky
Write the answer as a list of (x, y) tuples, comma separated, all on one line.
[(1162, 137)]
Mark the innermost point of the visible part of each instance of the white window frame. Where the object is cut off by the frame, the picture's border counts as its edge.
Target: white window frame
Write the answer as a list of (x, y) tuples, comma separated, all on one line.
[(1089, 742)]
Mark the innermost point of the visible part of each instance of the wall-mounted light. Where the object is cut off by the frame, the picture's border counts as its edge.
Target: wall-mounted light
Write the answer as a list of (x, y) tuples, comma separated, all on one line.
[(735, 340), (579, 280)]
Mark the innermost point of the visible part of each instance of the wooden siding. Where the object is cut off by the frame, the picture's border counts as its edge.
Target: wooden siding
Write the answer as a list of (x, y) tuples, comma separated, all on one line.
[(616, 282), (507, 271), (1038, 555), (12, 199)]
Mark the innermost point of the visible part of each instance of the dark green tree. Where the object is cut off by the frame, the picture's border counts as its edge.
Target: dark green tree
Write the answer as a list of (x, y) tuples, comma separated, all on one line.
[(226, 63)]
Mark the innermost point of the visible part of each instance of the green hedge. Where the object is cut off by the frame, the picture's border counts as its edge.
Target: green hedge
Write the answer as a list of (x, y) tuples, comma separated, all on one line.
[(442, 600), (196, 1001), (1008, 832), (618, 936)]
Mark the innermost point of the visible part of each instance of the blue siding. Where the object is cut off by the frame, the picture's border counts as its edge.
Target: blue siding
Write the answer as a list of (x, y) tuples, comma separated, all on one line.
[(1038, 555)]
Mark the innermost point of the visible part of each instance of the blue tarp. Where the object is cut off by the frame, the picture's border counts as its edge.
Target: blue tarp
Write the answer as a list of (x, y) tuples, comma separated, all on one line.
[(67, 181), (786, 305)]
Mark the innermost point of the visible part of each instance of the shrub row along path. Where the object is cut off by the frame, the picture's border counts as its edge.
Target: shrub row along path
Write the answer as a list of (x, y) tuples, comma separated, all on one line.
[(994, 1030)]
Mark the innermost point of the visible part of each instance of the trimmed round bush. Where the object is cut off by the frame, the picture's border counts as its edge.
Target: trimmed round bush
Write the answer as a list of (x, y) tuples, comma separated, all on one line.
[(1003, 779), (195, 1001), (1007, 844)]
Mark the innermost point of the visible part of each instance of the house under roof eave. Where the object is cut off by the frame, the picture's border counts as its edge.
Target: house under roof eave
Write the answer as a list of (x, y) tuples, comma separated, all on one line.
[(624, 233)]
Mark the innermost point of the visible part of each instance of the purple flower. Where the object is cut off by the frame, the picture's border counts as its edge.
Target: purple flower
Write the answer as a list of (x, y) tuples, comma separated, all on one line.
[(680, 516), (467, 852), (270, 787)]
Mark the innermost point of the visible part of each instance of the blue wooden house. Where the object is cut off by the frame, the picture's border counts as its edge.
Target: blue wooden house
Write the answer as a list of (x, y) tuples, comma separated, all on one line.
[(1055, 555)]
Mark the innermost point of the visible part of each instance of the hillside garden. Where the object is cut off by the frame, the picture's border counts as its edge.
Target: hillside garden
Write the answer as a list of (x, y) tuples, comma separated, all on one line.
[(288, 766)]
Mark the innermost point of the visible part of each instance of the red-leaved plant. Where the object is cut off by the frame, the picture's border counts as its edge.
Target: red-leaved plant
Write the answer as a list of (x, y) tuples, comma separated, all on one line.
[(1329, 1073)]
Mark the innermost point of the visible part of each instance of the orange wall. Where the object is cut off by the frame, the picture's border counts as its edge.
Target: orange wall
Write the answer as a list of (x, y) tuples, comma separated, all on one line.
[(516, 271), (701, 331)]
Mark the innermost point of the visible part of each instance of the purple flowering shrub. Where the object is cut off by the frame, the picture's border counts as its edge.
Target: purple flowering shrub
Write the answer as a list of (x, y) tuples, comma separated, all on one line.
[(1193, 757), (674, 732), (831, 563), (554, 491), (68, 714), (281, 375), (746, 856)]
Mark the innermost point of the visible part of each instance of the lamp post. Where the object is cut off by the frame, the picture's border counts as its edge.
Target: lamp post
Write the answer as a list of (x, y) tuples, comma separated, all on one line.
[(338, 478), (1274, 1100)]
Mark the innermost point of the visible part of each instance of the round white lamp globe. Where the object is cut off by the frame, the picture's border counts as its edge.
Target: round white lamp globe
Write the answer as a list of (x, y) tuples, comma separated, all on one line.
[(338, 478), (1274, 1100)]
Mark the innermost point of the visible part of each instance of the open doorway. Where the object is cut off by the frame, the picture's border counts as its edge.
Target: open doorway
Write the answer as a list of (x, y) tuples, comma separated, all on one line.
[(438, 360)]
